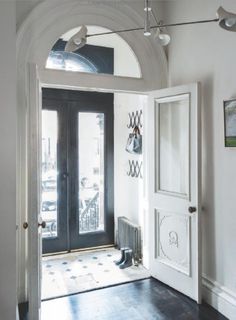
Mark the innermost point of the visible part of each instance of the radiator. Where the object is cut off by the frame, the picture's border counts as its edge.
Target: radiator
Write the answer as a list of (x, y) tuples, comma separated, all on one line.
[(129, 235)]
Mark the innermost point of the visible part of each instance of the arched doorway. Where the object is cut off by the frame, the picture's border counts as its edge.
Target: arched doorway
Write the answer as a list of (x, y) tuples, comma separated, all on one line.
[(34, 47), (91, 211)]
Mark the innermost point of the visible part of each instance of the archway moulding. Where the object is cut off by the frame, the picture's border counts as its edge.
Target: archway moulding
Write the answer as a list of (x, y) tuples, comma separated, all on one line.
[(50, 19), (35, 37)]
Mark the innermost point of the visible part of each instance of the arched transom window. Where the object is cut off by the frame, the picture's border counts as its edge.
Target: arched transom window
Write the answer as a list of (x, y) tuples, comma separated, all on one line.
[(107, 54)]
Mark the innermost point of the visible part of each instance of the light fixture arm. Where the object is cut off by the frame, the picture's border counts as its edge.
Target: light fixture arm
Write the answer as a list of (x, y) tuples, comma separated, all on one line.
[(154, 16), (147, 9), (186, 23), (227, 21), (159, 25)]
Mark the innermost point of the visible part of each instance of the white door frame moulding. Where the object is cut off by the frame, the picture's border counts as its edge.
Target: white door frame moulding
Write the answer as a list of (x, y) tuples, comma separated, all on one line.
[(70, 80), (50, 19), (35, 38)]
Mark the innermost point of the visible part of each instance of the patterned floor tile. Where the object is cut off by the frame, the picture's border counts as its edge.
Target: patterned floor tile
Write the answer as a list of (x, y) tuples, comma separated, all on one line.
[(71, 276)]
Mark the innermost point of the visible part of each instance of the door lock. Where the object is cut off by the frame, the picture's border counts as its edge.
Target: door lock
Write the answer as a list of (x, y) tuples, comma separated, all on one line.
[(192, 209)]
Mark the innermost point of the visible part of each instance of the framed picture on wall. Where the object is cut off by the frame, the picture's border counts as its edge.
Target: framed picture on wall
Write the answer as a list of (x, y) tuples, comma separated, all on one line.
[(230, 122)]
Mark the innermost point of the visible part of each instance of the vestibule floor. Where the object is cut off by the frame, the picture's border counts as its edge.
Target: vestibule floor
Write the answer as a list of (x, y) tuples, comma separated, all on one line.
[(84, 271)]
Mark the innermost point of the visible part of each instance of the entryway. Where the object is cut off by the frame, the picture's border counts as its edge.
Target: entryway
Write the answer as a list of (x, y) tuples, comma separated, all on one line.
[(77, 170), (77, 190), (132, 73), (170, 237)]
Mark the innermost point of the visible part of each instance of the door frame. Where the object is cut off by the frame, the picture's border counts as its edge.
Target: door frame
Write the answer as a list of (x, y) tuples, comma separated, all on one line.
[(35, 134), (35, 38), (34, 168), (69, 103), (36, 35)]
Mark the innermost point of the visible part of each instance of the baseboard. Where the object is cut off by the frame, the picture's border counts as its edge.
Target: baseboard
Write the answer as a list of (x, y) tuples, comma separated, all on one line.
[(219, 297)]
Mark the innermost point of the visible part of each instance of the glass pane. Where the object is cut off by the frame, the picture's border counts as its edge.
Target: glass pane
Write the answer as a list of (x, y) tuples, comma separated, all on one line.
[(107, 54), (91, 172), (173, 143), (49, 173), (61, 60)]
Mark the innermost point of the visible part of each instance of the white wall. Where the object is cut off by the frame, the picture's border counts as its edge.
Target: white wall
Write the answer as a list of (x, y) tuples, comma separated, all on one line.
[(128, 190), (206, 53), (8, 161), (23, 8)]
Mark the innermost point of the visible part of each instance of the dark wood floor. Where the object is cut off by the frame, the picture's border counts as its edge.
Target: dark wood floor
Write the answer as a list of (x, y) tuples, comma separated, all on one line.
[(141, 300)]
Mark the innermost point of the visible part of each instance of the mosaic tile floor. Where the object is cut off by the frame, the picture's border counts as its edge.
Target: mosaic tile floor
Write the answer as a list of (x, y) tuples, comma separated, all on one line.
[(83, 271)]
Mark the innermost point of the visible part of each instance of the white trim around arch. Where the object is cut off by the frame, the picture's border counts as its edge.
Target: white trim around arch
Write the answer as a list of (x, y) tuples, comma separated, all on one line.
[(34, 40)]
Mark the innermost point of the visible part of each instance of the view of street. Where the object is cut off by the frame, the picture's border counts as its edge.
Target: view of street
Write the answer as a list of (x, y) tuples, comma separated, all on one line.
[(90, 168)]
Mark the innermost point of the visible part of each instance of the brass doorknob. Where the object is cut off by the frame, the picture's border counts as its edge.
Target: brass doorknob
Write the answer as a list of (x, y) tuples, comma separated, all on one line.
[(43, 224), (25, 225), (192, 209)]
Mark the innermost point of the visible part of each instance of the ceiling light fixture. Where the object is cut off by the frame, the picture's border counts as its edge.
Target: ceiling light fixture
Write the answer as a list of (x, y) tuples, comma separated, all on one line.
[(227, 21), (162, 37), (78, 40), (147, 9)]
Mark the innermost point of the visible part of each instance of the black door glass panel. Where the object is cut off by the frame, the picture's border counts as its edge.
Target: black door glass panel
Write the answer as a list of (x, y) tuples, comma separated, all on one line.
[(91, 172), (54, 180), (77, 169), (90, 58), (49, 189)]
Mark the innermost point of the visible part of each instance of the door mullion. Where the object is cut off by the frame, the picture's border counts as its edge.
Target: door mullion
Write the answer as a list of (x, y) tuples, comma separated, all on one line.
[(73, 168)]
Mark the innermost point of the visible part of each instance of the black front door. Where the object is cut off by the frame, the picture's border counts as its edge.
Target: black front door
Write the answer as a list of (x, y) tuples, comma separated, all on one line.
[(77, 170)]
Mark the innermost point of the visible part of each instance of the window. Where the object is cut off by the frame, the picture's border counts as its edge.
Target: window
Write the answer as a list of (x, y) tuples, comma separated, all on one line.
[(90, 58), (107, 54)]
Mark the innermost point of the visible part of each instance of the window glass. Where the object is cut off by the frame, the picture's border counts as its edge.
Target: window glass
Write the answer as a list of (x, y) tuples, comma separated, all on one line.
[(91, 172), (107, 54), (172, 146), (90, 58), (49, 188)]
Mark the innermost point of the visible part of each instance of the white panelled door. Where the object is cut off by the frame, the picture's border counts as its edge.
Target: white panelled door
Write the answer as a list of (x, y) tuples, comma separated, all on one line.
[(173, 182), (34, 191)]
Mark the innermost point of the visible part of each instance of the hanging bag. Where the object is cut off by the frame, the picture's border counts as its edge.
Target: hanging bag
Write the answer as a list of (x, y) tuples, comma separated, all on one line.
[(134, 142)]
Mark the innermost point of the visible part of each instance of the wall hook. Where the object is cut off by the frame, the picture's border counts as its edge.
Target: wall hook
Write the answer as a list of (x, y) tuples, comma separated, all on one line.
[(135, 169), (135, 119)]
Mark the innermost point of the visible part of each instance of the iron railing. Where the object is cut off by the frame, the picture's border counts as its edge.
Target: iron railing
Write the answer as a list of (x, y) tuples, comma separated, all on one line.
[(89, 217)]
